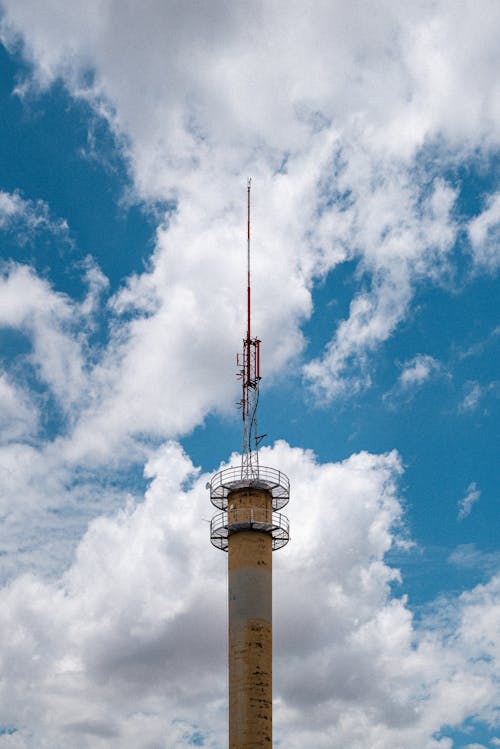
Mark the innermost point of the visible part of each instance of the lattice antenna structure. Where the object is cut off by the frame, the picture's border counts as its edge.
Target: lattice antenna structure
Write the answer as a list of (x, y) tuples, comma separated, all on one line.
[(248, 363)]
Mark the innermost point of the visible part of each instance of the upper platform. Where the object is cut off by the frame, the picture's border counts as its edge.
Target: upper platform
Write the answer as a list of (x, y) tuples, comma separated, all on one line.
[(233, 479)]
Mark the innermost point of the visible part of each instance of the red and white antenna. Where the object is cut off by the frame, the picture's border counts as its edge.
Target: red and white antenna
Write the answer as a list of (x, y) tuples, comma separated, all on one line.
[(249, 371)]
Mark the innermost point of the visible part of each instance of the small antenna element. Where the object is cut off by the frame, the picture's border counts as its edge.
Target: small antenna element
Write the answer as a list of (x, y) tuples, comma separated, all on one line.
[(248, 363)]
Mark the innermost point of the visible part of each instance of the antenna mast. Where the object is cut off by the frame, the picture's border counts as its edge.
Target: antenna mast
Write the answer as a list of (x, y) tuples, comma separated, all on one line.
[(248, 363)]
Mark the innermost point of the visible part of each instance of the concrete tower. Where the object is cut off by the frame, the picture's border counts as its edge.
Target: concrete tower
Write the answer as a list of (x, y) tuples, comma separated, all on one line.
[(250, 527)]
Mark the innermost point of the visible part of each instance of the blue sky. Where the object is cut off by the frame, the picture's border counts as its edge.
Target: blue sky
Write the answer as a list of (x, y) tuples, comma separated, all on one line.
[(127, 136)]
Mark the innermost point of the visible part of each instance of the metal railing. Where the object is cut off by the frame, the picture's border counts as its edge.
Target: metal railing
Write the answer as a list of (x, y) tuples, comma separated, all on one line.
[(262, 477), (260, 519)]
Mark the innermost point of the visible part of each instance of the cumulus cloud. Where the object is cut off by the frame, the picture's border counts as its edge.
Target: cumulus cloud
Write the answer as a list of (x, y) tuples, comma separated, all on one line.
[(335, 138), (418, 370), (465, 504), (136, 654)]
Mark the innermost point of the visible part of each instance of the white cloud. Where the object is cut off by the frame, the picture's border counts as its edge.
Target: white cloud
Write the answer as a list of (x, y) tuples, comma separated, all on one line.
[(403, 241), (331, 137), (26, 217), (484, 233), (472, 397), (476, 392), (136, 653), (404, 75), (46, 503), (416, 371), (469, 556), (18, 414), (476, 349), (28, 304), (10, 205), (465, 504)]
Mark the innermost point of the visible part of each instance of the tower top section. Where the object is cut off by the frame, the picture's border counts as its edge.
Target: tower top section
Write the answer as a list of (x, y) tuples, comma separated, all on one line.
[(249, 478)]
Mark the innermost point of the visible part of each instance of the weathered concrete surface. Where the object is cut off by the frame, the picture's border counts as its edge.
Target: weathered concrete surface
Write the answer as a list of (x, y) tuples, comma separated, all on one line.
[(250, 627)]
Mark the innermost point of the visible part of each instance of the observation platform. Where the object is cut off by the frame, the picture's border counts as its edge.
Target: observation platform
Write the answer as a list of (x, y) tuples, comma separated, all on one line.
[(224, 524), (251, 516), (235, 479)]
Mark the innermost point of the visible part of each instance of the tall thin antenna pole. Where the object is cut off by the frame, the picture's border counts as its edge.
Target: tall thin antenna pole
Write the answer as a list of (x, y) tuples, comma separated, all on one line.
[(249, 308), (249, 185), (249, 371)]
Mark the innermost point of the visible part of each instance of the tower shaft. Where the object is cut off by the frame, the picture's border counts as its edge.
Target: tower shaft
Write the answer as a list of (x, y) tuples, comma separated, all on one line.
[(250, 622)]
